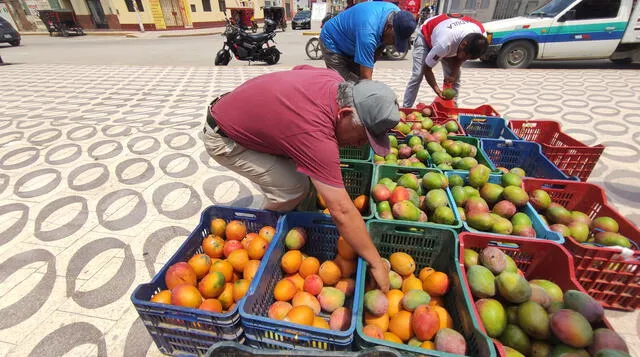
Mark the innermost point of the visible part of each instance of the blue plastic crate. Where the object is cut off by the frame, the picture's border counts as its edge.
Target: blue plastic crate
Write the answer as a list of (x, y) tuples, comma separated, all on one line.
[(436, 248), (523, 154), (542, 230), (480, 126), (181, 331), (264, 332), (232, 349)]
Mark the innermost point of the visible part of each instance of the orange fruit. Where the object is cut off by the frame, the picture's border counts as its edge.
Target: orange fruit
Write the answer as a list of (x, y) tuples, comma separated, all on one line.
[(391, 337), (302, 315), (411, 283), (223, 267), (284, 290), (361, 202), (345, 250), (304, 298), (436, 284), (425, 272), (267, 232), (309, 266), (238, 259), (248, 239), (212, 285), (291, 261), (235, 230), (347, 267), (329, 272), (186, 295), (279, 309), (402, 263), (428, 345), (201, 263), (400, 325), (445, 318), (257, 248), (240, 289), (394, 297), (251, 269), (212, 246), (381, 321), (211, 305), (321, 203), (218, 227), (163, 297), (319, 322), (297, 280), (226, 297)]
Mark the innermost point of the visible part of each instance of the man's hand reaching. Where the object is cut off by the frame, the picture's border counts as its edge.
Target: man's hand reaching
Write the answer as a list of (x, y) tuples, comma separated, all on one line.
[(380, 273)]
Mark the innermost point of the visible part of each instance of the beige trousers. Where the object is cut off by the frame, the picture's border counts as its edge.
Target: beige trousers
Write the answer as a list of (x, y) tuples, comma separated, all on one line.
[(284, 188)]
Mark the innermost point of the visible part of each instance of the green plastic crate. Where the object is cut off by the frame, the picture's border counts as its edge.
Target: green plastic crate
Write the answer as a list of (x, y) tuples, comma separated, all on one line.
[(363, 153), (436, 248), (394, 172), (481, 156)]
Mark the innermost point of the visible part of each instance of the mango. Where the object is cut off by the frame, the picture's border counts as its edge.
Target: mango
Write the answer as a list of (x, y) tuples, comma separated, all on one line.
[(395, 280), (432, 180), (562, 350), (331, 299), (455, 180), (511, 179), (612, 239), (571, 328), (480, 220), (380, 192), (451, 341), (383, 206), (533, 320), (375, 302), (493, 259), (515, 338), (502, 226), (577, 216), (606, 224), (434, 147), (481, 281), (561, 228), (414, 197), (513, 287), (466, 163), (510, 352), (512, 315), (406, 211), (441, 158), (555, 306), (471, 258), (521, 219), (579, 231), (558, 214), (539, 295), (409, 181), (511, 265), (540, 349), (463, 215), (493, 316), (443, 215), (540, 200), (425, 322), (478, 176), (584, 304), (491, 192), (504, 209), (552, 289), (524, 231), (611, 353), (471, 192), (515, 195), (389, 183), (518, 171), (414, 298), (476, 204), (435, 198), (605, 339), (459, 196)]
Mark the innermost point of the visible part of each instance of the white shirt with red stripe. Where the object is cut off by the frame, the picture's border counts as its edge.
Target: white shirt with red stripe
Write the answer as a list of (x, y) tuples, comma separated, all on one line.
[(443, 34)]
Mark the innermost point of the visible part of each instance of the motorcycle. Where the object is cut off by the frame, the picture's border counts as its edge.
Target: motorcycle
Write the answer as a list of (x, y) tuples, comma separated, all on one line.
[(248, 47)]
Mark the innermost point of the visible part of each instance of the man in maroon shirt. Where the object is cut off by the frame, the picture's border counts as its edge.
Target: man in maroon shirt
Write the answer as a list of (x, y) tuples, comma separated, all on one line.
[(281, 129)]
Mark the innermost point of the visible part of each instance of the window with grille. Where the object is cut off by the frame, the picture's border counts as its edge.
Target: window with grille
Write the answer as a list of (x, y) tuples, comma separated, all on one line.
[(130, 7), (206, 5)]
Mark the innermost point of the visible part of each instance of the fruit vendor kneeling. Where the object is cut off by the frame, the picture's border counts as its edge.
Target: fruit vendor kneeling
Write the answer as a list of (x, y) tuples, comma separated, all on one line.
[(283, 129), (450, 39)]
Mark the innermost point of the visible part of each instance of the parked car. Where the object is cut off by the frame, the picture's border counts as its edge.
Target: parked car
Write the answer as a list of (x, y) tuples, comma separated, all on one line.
[(302, 20), (8, 33)]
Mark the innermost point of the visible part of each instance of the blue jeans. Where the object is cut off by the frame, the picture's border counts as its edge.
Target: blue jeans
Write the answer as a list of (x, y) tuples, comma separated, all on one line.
[(420, 50)]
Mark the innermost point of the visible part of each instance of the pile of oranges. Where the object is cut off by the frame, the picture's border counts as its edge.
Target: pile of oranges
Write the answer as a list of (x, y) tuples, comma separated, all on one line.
[(360, 202), (218, 278), (312, 290)]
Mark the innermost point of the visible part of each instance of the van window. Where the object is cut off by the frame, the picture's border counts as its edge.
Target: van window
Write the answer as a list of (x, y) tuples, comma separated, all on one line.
[(597, 9)]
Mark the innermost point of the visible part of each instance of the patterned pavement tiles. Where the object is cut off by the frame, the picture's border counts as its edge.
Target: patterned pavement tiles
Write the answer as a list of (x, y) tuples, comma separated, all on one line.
[(103, 175)]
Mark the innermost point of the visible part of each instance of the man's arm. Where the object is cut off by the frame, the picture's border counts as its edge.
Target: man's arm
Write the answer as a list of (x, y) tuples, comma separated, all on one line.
[(431, 79), (351, 226), (454, 72), (366, 72)]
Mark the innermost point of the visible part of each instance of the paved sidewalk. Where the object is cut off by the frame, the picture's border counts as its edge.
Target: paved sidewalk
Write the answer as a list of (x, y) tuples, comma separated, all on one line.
[(146, 34), (103, 175)]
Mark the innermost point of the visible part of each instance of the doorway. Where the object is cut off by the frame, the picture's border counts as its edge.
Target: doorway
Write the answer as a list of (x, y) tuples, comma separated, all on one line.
[(97, 14), (171, 12)]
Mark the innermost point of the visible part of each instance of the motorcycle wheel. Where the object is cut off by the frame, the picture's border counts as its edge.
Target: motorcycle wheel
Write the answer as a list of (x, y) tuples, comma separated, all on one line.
[(393, 54), (313, 49), (254, 29), (272, 56), (222, 58)]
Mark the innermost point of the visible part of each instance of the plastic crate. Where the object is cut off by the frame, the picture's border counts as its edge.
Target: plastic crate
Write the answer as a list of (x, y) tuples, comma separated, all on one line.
[(181, 331), (232, 349), (362, 153), (542, 231), (394, 172), (481, 156), (602, 271), (523, 154), (437, 120), (356, 176), (436, 248), (572, 156), (486, 127), (537, 259), (263, 332), (451, 112)]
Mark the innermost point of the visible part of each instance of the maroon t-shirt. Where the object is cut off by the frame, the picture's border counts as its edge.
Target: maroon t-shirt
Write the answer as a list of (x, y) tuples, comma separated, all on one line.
[(292, 114)]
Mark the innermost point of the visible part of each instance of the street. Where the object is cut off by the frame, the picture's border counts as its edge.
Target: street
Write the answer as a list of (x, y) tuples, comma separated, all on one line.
[(103, 173)]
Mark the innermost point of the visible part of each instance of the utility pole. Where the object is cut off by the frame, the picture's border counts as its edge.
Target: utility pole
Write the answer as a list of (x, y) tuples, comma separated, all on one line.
[(135, 6)]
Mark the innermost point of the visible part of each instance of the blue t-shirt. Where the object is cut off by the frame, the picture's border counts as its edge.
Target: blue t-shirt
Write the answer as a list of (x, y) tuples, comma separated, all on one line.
[(357, 31)]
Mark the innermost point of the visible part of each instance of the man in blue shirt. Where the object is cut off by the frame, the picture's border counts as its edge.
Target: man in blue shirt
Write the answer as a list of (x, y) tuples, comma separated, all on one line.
[(352, 41)]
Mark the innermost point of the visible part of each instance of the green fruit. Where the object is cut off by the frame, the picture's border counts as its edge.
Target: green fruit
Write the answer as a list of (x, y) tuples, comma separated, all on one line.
[(383, 206), (515, 195), (451, 126), (584, 304), (409, 181), (449, 93), (518, 171), (461, 213), (552, 289), (393, 140), (459, 196), (558, 214), (478, 176), (533, 320), (427, 123), (515, 338), (471, 192), (540, 349), (440, 157), (571, 328), (466, 163), (611, 353), (414, 298), (435, 198), (511, 179), (555, 307), (520, 219), (454, 149), (491, 192), (577, 216), (415, 140), (404, 128), (470, 258), (612, 239), (579, 231), (422, 155), (605, 339), (414, 342), (406, 211), (434, 147), (418, 165), (606, 224), (391, 157), (540, 200), (538, 295), (481, 221), (444, 167), (455, 180), (562, 350), (510, 352), (512, 315), (433, 180), (493, 316), (481, 281), (510, 265), (443, 215), (513, 287)]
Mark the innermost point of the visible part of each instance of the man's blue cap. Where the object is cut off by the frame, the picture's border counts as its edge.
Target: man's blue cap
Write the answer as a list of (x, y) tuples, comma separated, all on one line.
[(404, 23)]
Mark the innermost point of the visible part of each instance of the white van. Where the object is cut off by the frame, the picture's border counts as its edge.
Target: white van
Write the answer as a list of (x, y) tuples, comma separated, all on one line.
[(565, 30)]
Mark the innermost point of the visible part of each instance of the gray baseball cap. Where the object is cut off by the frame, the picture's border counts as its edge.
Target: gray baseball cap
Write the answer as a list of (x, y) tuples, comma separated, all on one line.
[(377, 107)]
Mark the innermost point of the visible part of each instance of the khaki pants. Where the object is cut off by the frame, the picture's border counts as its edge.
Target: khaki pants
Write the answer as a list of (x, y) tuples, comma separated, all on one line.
[(284, 188)]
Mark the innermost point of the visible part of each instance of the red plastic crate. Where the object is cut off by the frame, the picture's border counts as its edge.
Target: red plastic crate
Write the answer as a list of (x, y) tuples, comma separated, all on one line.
[(444, 111), (572, 156), (436, 121), (537, 259), (603, 273)]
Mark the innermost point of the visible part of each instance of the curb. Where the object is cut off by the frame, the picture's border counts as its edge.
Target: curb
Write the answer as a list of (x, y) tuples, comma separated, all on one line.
[(191, 34)]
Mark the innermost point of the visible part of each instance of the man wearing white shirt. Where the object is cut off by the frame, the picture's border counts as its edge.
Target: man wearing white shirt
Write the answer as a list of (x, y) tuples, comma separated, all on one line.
[(447, 38)]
